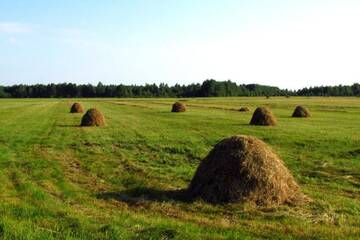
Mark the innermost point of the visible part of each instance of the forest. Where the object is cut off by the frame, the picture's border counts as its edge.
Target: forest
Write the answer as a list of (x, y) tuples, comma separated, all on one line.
[(209, 88)]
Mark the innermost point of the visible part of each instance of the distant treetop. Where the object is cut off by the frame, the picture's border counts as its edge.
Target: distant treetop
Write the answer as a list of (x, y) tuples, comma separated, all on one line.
[(209, 88)]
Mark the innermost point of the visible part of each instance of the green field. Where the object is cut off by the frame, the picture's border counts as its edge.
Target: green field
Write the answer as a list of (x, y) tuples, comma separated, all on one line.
[(61, 181)]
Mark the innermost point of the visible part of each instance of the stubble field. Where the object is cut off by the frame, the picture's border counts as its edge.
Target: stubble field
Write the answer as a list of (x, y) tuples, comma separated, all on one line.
[(62, 181)]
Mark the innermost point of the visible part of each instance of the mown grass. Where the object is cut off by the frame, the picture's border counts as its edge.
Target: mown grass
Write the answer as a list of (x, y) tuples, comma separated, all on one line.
[(60, 181)]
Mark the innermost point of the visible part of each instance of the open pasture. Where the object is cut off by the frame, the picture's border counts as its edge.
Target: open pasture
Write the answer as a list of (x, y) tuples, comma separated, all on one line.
[(62, 181)]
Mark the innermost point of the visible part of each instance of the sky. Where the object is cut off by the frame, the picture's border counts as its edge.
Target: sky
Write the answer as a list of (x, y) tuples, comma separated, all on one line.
[(285, 43)]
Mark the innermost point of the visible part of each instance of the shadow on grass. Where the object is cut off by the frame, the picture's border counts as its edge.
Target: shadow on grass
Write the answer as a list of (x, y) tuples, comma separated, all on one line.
[(136, 195), (68, 125)]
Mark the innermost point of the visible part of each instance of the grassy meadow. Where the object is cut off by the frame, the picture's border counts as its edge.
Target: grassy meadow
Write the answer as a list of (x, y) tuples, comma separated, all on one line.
[(61, 181)]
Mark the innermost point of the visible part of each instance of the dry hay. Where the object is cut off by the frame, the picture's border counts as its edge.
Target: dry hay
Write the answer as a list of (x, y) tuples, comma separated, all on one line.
[(301, 111), (178, 107), (93, 117), (76, 108), (244, 109), (244, 169), (264, 117)]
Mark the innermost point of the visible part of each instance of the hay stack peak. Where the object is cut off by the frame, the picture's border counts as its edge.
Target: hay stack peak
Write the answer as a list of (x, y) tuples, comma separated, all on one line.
[(93, 117), (178, 107), (264, 117), (301, 112), (244, 169), (76, 108)]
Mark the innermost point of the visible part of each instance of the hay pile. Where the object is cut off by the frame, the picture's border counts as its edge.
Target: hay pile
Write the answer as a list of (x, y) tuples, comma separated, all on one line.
[(178, 107), (301, 111), (93, 117), (244, 169), (244, 109), (264, 117), (76, 108)]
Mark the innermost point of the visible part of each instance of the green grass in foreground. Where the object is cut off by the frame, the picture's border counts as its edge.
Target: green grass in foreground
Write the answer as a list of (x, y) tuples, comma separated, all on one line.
[(60, 181)]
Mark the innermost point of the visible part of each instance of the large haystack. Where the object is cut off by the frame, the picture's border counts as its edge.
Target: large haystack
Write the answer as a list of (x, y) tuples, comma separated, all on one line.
[(93, 117), (178, 107), (263, 116), (301, 112), (244, 169), (244, 109), (76, 108)]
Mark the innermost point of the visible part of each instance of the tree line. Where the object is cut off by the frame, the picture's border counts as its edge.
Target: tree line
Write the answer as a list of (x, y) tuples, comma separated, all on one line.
[(209, 88)]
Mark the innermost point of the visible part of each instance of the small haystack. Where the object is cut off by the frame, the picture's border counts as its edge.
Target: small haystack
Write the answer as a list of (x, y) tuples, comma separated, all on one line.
[(76, 108), (178, 107), (301, 112), (264, 117), (93, 117), (244, 109), (244, 169)]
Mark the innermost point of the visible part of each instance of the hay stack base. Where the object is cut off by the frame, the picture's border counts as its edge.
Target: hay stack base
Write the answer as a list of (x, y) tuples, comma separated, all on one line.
[(178, 107), (263, 117), (93, 117), (76, 108), (244, 169), (244, 109), (301, 112)]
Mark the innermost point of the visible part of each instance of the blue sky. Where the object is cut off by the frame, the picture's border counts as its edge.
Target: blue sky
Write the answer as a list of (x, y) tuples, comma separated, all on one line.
[(284, 43)]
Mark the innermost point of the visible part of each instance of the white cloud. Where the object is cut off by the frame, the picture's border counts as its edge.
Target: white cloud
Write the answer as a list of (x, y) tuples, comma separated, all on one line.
[(14, 27), (13, 40)]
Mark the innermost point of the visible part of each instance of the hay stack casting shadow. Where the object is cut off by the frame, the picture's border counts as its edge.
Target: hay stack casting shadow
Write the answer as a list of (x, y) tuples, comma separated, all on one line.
[(76, 108), (244, 169), (93, 117), (264, 117), (178, 107), (244, 109), (301, 112)]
